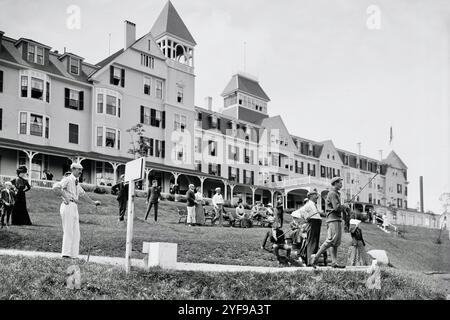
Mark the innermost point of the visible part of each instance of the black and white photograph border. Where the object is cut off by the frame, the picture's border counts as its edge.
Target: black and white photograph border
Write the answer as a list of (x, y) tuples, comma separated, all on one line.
[(224, 150)]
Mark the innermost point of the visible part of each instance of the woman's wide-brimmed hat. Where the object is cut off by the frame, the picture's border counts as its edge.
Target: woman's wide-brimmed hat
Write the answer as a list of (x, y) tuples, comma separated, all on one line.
[(22, 169)]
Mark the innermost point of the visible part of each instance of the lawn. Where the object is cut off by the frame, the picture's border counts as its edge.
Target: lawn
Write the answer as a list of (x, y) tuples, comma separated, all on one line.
[(416, 251), (41, 279)]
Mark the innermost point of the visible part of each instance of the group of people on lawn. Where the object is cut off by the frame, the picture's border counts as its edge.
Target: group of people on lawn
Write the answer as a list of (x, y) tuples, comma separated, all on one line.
[(304, 235)]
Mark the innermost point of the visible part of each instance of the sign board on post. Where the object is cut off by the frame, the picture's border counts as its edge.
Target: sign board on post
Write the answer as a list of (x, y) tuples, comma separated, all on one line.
[(134, 171)]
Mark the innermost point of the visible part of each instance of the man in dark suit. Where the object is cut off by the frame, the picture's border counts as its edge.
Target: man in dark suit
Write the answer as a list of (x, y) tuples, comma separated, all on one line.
[(7, 201), (153, 195), (121, 189)]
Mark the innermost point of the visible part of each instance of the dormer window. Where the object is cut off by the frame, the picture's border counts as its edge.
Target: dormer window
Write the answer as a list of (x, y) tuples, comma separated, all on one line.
[(74, 66), (180, 94), (35, 54)]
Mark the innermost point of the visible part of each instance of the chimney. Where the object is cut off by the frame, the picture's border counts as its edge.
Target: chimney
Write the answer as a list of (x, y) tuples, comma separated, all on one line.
[(421, 193), (208, 103), (130, 33)]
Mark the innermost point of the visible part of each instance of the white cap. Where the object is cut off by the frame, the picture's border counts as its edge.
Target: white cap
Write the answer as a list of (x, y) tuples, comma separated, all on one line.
[(355, 221), (8, 183), (76, 166)]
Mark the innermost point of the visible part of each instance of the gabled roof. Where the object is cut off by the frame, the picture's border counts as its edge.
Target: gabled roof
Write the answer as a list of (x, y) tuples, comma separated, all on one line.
[(70, 55), (109, 59), (170, 22), (31, 41), (393, 159), (246, 85)]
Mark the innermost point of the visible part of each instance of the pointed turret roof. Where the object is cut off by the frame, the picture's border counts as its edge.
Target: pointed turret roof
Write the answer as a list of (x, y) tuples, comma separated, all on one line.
[(170, 22), (246, 85)]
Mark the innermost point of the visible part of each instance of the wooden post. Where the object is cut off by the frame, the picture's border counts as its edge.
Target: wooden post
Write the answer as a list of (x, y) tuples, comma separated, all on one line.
[(130, 220)]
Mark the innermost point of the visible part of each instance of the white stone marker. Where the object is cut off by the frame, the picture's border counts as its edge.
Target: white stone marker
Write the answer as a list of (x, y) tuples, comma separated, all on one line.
[(160, 254), (380, 256)]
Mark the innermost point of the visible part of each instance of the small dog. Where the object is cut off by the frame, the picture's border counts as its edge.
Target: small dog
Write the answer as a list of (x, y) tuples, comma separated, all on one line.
[(73, 280), (374, 280)]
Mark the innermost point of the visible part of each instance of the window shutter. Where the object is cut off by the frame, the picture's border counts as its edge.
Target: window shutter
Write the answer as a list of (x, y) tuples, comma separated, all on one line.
[(142, 114), (163, 149), (244, 175), (111, 75), (25, 51), (253, 178), (122, 80), (218, 123), (163, 120), (229, 172), (151, 147), (237, 175), (152, 117), (81, 97), (209, 168), (68, 65), (1, 81), (66, 97), (1, 118), (218, 170)]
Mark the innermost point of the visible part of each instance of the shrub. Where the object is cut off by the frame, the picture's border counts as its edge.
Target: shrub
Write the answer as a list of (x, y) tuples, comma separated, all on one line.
[(88, 187), (207, 202), (180, 198), (100, 190), (247, 206), (170, 197)]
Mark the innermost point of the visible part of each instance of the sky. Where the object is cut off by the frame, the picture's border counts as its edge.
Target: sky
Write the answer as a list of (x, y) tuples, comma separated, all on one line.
[(328, 72)]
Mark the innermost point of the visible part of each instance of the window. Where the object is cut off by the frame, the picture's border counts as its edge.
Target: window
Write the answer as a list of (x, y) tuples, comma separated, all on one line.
[(110, 138), (212, 147), (159, 93), (23, 123), (74, 66), (74, 99), (370, 198), (40, 55), (214, 169), (399, 188), (99, 136), (36, 125), (246, 156), (147, 61), (180, 122), (73, 133), (111, 105), (1, 81), (152, 117), (117, 76), (233, 153), (24, 86), (1, 118), (31, 52), (180, 94), (99, 103), (37, 88), (178, 151), (47, 92), (147, 85), (160, 149)]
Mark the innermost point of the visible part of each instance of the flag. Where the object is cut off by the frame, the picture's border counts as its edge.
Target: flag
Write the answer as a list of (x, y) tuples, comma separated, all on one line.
[(390, 136)]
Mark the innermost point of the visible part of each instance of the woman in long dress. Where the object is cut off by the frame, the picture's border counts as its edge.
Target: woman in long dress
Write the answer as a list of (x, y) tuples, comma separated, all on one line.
[(199, 212), (20, 215)]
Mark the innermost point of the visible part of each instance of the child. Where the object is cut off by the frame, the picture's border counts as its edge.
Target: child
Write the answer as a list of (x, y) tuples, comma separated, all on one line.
[(7, 199), (357, 253), (277, 239)]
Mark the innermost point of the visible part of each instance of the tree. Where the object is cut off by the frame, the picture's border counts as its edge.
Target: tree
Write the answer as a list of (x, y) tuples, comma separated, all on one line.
[(140, 145)]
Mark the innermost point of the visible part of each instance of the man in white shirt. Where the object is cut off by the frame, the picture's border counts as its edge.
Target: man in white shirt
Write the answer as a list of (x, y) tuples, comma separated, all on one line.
[(70, 190), (218, 202)]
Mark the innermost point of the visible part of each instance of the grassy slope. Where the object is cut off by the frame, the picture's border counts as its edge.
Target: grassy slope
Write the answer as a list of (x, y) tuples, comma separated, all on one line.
[(39, 278), (198, 244)]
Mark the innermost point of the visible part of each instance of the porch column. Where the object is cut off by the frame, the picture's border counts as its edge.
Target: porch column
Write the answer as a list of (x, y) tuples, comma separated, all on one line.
[(364, 208), (202, 180), (30, 154), (76, 159), (115, 165), (285, 196), (231, 190), (253, 195), (272, 193), (176, 175), (225, 183)]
